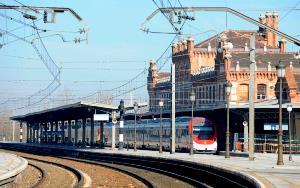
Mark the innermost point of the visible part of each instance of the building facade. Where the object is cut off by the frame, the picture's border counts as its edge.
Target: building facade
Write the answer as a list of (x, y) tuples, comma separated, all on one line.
[(206, 67)]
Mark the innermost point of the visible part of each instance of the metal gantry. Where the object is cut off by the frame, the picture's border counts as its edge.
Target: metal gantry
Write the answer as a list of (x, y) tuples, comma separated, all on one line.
[(39, 46)]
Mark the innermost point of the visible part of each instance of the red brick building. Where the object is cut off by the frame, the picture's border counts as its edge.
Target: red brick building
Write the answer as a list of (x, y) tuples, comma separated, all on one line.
[(205, 67)]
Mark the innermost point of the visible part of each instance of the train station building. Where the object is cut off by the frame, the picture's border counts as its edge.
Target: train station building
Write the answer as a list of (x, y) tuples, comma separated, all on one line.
[(205, 67)]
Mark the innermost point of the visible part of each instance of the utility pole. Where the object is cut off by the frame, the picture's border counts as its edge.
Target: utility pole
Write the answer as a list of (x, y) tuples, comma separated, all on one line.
[(251, 97), (173, 111), (113, 131)]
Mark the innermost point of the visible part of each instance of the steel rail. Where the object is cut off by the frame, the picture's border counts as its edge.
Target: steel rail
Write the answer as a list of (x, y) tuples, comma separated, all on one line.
[(168, 168), (114, 167), (42, 178), (77, 173), (199, 175)]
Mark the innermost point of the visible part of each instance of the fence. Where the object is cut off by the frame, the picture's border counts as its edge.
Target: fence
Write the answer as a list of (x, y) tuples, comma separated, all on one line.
[(265, 143)]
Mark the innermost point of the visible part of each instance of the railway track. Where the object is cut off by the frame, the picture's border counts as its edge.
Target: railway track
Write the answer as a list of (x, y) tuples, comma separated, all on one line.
[(79, 176), (148, 178), (193, 174), (40, 178)]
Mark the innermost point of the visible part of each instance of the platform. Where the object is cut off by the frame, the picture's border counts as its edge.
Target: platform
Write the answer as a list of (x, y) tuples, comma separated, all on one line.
[(10, 166), (263, 168)]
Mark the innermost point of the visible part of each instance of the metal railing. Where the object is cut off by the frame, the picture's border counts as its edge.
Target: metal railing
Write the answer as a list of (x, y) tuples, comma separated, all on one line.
[(265, 143)]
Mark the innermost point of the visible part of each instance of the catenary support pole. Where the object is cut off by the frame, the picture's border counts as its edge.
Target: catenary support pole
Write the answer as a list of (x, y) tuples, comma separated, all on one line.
[(173, 111), (251, 97)]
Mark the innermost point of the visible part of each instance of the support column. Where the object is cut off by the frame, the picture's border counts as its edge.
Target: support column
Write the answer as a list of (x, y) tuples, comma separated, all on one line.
[(30, 132), (69, 132), (39, 133), (113, 131), (63, 132), (27, 132), (33, 133), (76, 132), (45, 132), (56, 132), (51, 136), (92, 130), (101, 134), (83, 131), (40, 130)]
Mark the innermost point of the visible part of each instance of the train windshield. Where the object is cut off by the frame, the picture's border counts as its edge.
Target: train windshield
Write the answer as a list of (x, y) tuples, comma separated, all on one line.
[(203, 130)]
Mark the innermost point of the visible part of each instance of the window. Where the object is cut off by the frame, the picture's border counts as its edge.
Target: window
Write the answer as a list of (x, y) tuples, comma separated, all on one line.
[(243, 93), (284, 94), (201, 95), (214, 93), (261, 91), (210, 93), (220, 89)]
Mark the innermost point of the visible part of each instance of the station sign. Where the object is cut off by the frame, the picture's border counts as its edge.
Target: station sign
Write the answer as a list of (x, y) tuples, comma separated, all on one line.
[(101, 117), (114, 117), (275, 126)]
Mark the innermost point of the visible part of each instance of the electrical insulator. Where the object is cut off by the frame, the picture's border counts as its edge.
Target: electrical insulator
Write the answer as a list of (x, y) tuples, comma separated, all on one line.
[(45, 16), (77, 40), (82, 31)]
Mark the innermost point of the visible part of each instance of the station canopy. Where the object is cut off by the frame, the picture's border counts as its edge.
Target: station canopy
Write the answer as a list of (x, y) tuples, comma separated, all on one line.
[(73, 111)]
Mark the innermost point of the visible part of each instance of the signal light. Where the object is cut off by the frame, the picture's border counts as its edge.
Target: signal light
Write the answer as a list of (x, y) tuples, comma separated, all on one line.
[(45, 16)]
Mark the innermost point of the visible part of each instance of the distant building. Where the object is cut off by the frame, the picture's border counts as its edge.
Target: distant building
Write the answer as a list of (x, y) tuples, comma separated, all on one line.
[(207, 66)]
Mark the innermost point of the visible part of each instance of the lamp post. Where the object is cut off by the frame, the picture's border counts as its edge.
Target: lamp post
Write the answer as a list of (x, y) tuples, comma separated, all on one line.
[(135, 107), (280, 74), (228, 86), (192, 98), (161, 105), (289, 109)]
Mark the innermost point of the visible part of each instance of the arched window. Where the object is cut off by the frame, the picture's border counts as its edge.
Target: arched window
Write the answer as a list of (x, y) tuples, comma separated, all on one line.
[(285, 94), (261, 91), (243, 93)]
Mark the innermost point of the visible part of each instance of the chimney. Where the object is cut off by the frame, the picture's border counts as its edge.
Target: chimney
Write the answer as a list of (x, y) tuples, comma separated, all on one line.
[(269, 35), (190, 44), (269, 66), (179, 47), (262, 21), (227, 61), (265, 48), (152, 74), (209, 47), (246, 47), (275, 26), (237, 66), (282, 46), (184, 45), (291, 65), (174, 48)]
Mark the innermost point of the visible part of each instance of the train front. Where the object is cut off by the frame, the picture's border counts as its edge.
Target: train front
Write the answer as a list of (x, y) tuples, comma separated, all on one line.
[(204, 135)]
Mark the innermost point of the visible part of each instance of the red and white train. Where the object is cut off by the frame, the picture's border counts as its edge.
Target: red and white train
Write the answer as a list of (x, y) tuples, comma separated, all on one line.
[(147, 134)]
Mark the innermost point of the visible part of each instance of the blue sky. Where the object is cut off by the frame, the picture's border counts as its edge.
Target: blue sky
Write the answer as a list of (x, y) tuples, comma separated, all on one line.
[(117, 50)]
